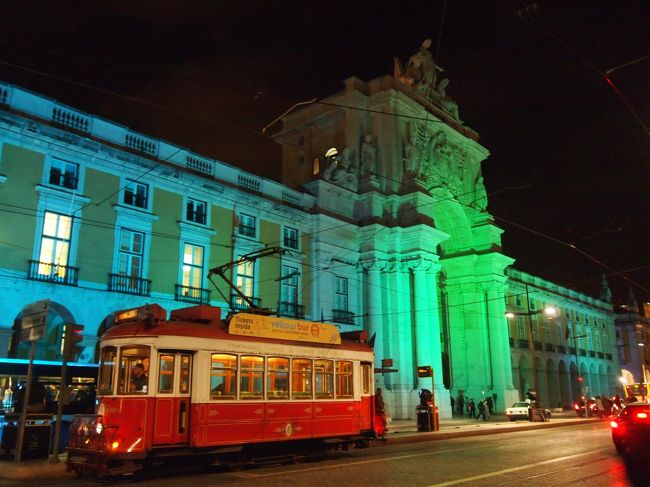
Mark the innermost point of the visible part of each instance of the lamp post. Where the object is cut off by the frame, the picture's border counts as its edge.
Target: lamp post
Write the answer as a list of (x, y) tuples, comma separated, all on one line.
[(548, 311)]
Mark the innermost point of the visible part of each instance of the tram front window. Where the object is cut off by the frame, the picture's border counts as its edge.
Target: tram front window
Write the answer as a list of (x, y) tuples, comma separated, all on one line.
[(134, 370), (107, 370)]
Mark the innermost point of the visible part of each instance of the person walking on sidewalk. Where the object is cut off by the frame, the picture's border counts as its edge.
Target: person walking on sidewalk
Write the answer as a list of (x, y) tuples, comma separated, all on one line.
[(461, 404), (471, 408), (481, 410), (490, 405), (380, 416)]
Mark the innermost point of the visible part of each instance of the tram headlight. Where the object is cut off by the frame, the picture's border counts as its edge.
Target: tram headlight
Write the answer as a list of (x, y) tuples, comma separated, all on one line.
[(115, 445), (99, 427)]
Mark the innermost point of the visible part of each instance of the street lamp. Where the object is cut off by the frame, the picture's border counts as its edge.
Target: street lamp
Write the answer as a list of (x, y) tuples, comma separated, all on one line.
[(549, 312)]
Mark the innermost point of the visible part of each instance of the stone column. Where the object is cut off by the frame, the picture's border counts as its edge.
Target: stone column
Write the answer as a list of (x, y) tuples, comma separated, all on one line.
[(373, 268)]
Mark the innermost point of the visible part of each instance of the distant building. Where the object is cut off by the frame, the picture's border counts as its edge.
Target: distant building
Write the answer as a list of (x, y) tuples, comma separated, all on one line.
[(633, 342), (382, 223), (573, 350)]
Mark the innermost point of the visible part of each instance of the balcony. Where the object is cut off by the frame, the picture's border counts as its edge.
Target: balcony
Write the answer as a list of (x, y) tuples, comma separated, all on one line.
[(560, 349), (292, 309), (121, 283), (238, 304), (194, 295), (600, 354), (512, 341), (523, 343), (583, 353), (572, 350), (549, 347), (592, 353), (343, 316), (48, 272), (247, 231)]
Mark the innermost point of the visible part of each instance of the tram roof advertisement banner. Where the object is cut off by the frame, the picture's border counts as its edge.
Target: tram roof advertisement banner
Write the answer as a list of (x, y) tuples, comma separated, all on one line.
[(283, 329)]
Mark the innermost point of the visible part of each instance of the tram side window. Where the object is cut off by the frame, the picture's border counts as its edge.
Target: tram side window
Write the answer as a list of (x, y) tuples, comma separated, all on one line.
[(165, 373), (344, 387), (277, 378), (107, 370), (365, 377), (301, 381), (251, 382), (324, 376), (134, 370), (223, 376)]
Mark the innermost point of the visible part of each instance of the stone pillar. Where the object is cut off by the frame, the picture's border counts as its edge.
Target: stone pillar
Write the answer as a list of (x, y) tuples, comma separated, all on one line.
[(374, 326), (428, 349)]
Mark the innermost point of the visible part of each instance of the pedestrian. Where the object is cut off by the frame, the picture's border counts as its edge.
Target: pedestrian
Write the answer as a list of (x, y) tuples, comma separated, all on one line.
[(490, 405), (451, 399), (380, 416), (481, 410), (471, 408), (461, 404), (617, 403), (607, 406)]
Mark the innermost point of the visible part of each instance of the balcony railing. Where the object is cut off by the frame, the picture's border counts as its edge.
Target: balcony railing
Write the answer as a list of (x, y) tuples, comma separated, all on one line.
[(600, 354), (561, 349), (292, 309), (583, 353), (523, 343), (538, 345), (121, 283), (592, 353), (238, 304), (512, 341), (608, 356), (192, 294), (59, 274), (572, 350), (343, 316), (549, 347), (247, 231)]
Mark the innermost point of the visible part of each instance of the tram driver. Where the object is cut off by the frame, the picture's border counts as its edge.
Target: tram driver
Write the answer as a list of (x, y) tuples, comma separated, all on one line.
[(139, 379)]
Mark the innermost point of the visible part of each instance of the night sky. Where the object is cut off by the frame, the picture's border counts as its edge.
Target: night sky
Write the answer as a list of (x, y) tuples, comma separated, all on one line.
[(570, 159)]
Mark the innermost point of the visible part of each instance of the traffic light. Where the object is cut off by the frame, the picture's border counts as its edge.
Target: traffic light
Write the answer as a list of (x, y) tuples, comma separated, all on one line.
[(73, 335)]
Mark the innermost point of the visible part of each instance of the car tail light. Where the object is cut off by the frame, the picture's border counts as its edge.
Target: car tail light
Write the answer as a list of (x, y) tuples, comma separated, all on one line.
[(642, 415), (575, 406), (613, 424)]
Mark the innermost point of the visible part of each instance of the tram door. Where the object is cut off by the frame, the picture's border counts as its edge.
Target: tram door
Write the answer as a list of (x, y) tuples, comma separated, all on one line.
[(172, 419)]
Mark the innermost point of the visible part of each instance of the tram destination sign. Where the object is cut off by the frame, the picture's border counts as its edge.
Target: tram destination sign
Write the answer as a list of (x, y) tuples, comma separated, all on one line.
[(283, 329)]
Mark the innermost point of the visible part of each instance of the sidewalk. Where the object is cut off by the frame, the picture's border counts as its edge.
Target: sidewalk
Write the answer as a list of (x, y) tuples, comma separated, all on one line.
[(399, 431)]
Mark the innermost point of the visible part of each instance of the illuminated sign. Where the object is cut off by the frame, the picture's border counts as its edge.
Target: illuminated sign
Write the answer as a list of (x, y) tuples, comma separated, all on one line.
[(425, 371), (127, 315), (283, 329)]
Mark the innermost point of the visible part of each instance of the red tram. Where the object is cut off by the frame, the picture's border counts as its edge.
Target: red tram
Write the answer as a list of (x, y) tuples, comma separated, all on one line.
[(250, 387)]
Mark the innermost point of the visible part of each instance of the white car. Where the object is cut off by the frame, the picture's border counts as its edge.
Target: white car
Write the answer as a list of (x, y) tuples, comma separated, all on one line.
[(521, 410)]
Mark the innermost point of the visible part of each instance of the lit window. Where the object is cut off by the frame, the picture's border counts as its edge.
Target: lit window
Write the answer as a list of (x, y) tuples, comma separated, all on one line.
[(55, 245), (277, 378), (245, 278), (344, 383), (324, 379), (251, 378), (192, 268), (301, 381), (223, 376)]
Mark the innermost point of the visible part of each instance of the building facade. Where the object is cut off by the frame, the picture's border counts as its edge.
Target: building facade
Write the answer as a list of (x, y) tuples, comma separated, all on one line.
[(381, 223), (633, 342), (564, 356)]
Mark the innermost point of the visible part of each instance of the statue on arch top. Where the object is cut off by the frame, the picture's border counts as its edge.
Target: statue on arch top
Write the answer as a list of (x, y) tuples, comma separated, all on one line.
[(421, 71)]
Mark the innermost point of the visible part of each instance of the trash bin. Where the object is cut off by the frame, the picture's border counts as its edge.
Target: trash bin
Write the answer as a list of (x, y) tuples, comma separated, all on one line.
[(424, 415), (36, 441)]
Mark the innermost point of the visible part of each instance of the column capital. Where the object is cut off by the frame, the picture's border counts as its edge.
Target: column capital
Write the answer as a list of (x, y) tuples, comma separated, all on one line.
[(422, 264), (372, 265)]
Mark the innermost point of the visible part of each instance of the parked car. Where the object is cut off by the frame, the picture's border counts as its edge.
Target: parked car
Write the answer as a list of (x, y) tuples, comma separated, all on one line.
[(594, 410), (631, 430), (521, 410)]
